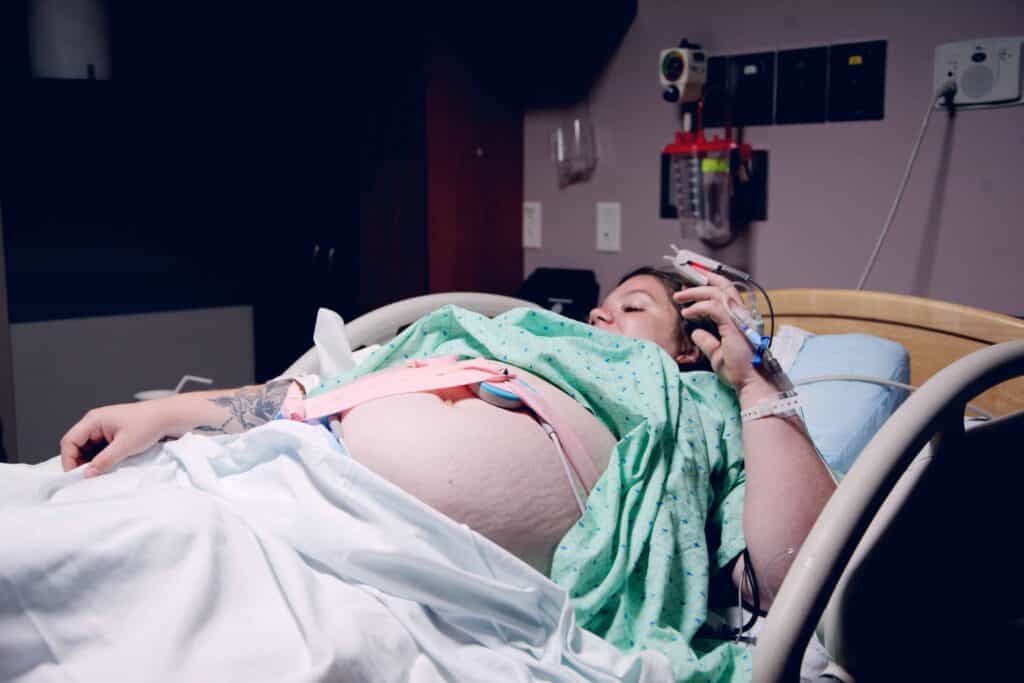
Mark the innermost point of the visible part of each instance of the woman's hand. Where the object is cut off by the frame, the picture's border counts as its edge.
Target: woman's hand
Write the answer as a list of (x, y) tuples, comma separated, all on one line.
[(113, 433), (731, 357), (116, 432)]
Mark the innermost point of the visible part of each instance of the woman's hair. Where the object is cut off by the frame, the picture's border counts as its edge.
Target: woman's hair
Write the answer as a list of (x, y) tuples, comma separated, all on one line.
[(673, 282)]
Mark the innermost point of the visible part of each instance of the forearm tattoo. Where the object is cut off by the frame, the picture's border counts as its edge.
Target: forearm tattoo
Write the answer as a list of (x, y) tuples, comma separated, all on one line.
[(249, 407)]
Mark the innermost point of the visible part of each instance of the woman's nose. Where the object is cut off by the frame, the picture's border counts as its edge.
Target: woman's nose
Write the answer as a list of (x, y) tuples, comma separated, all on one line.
[(599, 316)]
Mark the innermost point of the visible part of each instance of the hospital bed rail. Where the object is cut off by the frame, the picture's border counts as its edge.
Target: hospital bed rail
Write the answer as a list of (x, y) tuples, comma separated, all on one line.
[(928, 426)]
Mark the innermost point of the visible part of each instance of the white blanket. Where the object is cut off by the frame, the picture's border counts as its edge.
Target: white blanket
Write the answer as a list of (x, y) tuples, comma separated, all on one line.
[(270, 556)]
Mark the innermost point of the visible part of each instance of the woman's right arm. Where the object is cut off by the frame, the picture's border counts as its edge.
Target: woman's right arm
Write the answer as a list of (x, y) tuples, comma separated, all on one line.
[(106, 436)]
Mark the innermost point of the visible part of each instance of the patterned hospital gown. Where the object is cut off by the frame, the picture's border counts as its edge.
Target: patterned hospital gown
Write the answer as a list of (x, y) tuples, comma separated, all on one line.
[(667, 512)]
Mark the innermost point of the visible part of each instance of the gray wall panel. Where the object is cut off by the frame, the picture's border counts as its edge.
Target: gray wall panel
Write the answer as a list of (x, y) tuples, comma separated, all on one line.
[(63, 368)]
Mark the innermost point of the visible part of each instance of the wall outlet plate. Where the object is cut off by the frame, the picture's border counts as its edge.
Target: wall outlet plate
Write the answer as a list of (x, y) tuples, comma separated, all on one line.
[(532, 225), (856, 81), (609, 226), (987, 71)]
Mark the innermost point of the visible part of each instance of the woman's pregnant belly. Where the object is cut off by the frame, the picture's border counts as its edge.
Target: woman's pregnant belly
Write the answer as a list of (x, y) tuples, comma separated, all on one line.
[(493, 469)]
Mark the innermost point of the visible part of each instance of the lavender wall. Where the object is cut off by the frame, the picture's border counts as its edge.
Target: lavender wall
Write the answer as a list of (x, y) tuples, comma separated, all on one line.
[(959, 232)]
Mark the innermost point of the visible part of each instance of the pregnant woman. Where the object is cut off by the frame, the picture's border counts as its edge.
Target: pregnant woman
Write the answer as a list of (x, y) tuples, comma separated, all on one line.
[(634, 486)]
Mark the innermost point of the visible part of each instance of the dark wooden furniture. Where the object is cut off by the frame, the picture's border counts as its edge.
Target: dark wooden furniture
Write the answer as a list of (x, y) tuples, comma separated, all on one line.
[(336, 156)]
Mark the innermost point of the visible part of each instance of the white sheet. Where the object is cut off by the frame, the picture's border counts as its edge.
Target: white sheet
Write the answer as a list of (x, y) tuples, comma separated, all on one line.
[(269, 556)]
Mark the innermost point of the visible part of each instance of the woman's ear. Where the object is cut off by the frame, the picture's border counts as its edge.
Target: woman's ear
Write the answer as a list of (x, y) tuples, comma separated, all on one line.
[(689, 355)]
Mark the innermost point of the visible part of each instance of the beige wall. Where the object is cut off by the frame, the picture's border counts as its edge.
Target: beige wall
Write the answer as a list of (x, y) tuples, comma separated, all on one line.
[(959, 234)]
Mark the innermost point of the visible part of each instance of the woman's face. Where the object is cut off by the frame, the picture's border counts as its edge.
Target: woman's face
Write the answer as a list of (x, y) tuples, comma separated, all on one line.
[(641, 307)]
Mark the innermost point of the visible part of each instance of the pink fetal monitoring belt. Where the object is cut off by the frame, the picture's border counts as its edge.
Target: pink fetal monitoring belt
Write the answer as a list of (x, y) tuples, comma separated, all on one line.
[(489, 380)]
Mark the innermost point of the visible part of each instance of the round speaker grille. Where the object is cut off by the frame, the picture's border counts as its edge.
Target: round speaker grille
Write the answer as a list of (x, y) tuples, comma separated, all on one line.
[(977, 81)]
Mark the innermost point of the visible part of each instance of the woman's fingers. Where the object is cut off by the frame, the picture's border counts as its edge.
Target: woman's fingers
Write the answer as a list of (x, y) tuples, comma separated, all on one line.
[(75, 444), (708, 345), (69, 454), (101, 439), (704, 293), (714, 309), (718, 292), (115, 452), (725, 284)]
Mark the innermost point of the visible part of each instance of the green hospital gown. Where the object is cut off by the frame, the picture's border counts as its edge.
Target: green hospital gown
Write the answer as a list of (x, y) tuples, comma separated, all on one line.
[(667, 512)]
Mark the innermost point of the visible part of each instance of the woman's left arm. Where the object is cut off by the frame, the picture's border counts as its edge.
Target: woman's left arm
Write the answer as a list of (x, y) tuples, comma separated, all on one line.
[(787, 482), (787, 487)]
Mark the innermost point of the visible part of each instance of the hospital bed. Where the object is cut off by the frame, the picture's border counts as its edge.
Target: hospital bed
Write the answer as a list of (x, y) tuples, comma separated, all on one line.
[(841, 582), (844, 582)]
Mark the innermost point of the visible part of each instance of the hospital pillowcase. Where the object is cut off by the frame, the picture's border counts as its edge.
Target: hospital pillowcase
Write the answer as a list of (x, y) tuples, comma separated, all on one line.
[(843, 416)]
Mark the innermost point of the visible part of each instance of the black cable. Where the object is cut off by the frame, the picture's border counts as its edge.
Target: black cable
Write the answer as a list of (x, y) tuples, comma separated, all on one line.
[(771, 310), (755, 609)]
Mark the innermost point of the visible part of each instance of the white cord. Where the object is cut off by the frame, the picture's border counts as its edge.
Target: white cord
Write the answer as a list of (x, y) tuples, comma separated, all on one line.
[(573, 482), (947, 87), (887, 382)]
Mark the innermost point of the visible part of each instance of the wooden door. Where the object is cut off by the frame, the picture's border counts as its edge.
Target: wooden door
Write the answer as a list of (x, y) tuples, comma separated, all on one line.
[(474, 179), (392, 152)]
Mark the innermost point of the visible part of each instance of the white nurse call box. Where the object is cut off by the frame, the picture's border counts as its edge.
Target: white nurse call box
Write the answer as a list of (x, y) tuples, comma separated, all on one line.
[(986, 71)]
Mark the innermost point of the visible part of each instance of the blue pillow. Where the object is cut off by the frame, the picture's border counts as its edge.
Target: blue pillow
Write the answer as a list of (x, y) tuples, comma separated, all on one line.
[(842, 416)]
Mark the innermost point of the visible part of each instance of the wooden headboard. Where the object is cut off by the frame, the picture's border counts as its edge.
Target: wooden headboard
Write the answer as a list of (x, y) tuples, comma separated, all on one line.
[(936, 333)]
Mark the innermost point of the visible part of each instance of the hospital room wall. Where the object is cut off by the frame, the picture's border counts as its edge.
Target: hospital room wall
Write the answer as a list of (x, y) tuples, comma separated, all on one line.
[(957, 235), (7, 415), (62, 368)]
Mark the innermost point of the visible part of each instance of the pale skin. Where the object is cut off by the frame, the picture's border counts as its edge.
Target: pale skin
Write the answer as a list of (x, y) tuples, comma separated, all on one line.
[(787, 484), (113, 433)]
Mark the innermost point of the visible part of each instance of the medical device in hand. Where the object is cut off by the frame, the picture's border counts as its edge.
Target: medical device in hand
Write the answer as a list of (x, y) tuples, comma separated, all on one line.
[(746, 316), (691, 261)]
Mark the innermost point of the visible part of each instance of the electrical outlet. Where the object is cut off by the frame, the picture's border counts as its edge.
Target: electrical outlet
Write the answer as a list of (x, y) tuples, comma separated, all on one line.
[(609, 226), (531, 225)]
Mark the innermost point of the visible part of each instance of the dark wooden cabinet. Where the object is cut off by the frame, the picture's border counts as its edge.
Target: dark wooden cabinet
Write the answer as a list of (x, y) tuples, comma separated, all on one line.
[(474, 180), (441, 181), (429, 171)]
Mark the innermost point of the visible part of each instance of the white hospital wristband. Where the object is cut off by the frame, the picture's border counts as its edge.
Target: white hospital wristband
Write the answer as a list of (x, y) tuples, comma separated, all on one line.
[(782, 405)]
